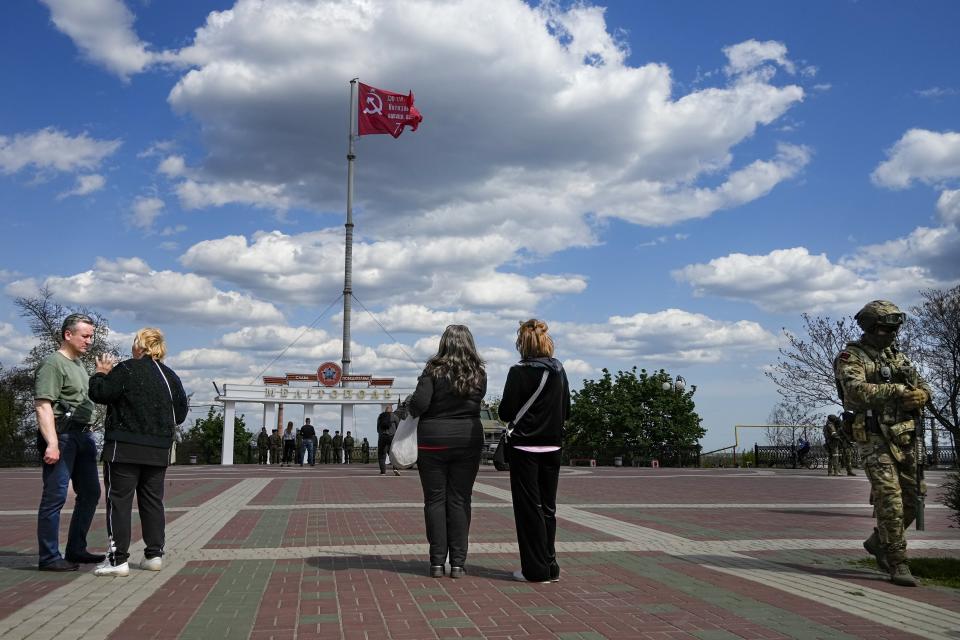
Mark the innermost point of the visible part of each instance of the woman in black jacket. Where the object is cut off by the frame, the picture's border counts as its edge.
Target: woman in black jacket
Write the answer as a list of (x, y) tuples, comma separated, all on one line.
[(536, 402), (449, 439), (145, 402)]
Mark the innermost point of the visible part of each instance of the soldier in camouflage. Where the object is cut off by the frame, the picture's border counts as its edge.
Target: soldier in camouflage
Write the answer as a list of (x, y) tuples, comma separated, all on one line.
[(831, 438), (882, 394), (837, 447)]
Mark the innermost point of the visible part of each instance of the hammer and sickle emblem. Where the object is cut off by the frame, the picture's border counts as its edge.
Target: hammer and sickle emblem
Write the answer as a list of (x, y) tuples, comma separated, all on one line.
[(374, 104)]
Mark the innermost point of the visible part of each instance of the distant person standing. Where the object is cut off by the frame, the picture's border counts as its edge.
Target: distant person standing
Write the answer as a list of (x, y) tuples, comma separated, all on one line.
[(289, 445), (64, 413), (309, 436), (276, 447), (145, 403), (348, 448), (325, 441), (535, 403), (387, 423), (337, 448), (365, 451), (263, 446)]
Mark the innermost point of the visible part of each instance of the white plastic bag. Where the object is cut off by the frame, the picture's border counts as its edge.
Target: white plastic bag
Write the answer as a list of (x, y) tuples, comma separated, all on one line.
[(403, 450)]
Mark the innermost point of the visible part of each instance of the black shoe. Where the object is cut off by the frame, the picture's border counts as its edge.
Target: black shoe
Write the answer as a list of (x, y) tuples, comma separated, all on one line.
[(457, 572), (86, 558), (436, 571), (383, 473), (59, 565)]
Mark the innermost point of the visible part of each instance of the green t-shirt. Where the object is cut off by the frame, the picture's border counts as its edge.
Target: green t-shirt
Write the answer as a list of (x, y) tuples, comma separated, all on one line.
[(60, 378)]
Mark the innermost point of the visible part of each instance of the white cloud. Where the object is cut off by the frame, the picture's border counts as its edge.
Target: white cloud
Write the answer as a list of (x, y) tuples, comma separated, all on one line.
[(209, 359), (783, 280), (103, 31), (668, 336), (937, 92), (447, 271), (948, 206), (268, 79), (928, 156), (85, 185), (418, 318), (791, 280), (578, 367), (145, 210), (130, 285), (655, 204), (747, 56), (173, 166), (198, 195), (50, 149), (14, 346)]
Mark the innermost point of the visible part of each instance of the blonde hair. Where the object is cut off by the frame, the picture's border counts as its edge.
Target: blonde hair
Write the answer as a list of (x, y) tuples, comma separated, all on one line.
[(150, 341), (533, 341)]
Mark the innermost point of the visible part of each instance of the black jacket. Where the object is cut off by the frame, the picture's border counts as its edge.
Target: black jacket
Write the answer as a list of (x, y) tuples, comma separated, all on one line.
[(387, 423), (139, 405), (446, 419), (542, 424)]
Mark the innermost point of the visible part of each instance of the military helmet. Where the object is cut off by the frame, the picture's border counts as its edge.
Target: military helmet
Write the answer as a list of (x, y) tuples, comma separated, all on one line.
[(880, 312)]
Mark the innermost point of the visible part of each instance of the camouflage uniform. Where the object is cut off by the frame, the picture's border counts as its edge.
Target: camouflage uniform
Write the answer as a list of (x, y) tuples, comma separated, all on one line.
[(337, 448), (325, 440), (263, 444), (831, 437), (883, 391), (276, 447)]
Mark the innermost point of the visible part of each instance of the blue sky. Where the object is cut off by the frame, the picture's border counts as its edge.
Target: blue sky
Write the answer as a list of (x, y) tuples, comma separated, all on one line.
[(668, 184)]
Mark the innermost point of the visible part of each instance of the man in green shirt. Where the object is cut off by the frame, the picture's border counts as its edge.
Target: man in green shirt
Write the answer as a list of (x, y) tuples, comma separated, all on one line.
[(64, 413)]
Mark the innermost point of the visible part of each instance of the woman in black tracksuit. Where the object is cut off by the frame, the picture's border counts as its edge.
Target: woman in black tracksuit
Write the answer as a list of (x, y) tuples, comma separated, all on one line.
[(449, 439), (145, 402), (534, 448)]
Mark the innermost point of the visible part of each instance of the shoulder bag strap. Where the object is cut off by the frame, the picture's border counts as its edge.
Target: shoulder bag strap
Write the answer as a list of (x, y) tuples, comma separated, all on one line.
[(173, 411), (523, 409)]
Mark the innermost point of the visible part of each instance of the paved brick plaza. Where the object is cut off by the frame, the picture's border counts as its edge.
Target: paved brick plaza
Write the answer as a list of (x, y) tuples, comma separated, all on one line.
[(338, 552)]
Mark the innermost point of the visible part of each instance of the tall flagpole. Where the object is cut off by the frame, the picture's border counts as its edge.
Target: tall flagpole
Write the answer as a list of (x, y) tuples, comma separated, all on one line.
[(346, 411)]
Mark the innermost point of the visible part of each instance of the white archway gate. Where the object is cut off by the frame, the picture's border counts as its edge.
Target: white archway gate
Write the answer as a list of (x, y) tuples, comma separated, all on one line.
[(272, 396)]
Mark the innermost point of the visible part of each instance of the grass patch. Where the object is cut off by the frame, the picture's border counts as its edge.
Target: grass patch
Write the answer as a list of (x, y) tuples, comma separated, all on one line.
[(942, 572)]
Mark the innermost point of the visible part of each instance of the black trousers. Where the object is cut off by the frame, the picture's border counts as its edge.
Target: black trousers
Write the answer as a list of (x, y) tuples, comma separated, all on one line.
[(383, 448), (447, 478), (533, 484), (121, 480), (289, 451), (347, 455)]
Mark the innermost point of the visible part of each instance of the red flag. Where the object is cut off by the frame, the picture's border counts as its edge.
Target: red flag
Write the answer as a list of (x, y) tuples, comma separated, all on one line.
[(380, 111)]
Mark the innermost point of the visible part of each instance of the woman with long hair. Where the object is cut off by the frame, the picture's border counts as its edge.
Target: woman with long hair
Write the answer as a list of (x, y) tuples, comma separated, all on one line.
[(449, 440), (536, 400)]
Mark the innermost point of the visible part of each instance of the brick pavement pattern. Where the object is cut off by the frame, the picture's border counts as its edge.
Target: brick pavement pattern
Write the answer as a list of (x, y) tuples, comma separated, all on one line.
[(265, 552)]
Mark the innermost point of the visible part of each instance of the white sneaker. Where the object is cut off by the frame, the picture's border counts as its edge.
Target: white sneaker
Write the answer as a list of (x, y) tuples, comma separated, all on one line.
[(152, 564), (112, 571), (518, 576)]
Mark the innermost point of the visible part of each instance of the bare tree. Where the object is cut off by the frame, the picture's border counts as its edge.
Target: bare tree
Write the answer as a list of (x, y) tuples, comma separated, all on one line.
[(804, 371), (45, 316), (935, 343), (792, 416)]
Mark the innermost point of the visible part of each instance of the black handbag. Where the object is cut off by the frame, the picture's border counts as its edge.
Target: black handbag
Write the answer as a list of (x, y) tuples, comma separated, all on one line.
[(500, 462)]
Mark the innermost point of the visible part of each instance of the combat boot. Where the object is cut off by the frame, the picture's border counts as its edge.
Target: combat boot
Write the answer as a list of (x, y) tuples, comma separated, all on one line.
[(875, 548), (900, 575)]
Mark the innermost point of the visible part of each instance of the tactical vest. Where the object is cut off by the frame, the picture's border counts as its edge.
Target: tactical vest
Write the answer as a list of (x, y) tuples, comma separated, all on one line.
[(897, 427)]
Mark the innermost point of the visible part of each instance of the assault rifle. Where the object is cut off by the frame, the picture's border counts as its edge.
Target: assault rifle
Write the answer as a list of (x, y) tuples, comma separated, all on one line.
[(919, 452)]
